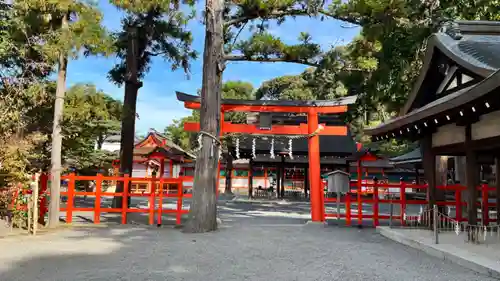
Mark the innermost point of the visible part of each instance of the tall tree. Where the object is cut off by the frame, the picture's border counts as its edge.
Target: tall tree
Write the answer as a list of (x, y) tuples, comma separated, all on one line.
[(65, 29), (224, 21), (150, 28)]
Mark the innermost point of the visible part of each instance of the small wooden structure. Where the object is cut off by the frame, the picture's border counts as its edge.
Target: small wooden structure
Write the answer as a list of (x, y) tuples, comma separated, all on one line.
[(151, 157), (454, 108)]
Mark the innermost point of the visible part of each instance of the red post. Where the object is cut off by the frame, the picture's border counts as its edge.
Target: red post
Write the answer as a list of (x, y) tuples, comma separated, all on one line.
[(348, 209), (126, 182), (44, 184), (375, 204), (316, 194), (152, 201), (97, 208), (160, 201), (71, 196), (402, 199), (360, 203), (458, 204), (484, 211), (180, 194)]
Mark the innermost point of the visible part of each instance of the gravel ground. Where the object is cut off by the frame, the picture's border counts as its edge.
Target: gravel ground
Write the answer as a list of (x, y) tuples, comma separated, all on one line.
[(275, 249)]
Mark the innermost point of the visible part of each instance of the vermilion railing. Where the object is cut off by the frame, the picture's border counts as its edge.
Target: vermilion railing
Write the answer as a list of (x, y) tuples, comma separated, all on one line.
[(158, 190), (356, 196)]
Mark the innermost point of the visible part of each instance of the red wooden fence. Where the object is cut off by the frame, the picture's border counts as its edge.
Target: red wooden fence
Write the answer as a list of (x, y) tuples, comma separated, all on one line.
[(403, 202), (155, 195)]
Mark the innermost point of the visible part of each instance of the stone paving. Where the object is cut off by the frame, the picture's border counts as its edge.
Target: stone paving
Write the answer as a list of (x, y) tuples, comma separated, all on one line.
[(266, 245)]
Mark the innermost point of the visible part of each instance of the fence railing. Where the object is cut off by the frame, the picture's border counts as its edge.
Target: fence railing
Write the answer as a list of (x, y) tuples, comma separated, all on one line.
[(403, 196), (155, 193)]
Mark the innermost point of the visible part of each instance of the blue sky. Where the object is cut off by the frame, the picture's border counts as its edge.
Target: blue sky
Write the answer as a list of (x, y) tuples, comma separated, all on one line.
[(157, 105)]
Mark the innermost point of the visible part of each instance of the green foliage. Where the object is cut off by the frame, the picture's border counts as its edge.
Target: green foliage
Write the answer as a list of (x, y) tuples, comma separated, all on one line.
[(89, 116), (394, 35), (161, 31)]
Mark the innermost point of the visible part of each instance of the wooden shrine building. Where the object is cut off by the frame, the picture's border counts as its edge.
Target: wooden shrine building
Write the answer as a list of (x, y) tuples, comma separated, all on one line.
[(156, 156), (454, 107), (311, 125)]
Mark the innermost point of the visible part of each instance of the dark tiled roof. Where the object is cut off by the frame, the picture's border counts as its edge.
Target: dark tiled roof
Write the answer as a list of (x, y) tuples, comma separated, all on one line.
[(340, 101), (415, 154), (475, 49), (444, 104), (485, 51)]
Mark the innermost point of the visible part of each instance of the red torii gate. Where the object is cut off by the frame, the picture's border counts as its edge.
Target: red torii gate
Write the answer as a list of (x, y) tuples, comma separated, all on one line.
[(313, 129)]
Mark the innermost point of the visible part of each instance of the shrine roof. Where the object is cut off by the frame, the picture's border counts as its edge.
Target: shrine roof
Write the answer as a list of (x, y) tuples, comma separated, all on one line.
[(472, 45), (414, 156), (444, 105), (155, 139), (303, 103)]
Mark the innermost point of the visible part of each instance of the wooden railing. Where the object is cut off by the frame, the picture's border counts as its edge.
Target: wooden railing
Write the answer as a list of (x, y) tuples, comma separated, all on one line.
[(156, 191), (355, 196)]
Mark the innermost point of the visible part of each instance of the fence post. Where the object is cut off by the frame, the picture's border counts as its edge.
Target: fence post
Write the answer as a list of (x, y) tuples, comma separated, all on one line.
[(348, 209), (160, 201), (71, 196), (126, 180), (402, 200), (391, 210), (458, 205), (35, 203), (375, 203), (97, 207), (435, 223), (484, 210), (180, 194)]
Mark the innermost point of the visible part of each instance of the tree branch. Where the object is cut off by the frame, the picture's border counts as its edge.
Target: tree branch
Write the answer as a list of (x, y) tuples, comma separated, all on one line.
[(276, 59), (262, 59), (291, 12)]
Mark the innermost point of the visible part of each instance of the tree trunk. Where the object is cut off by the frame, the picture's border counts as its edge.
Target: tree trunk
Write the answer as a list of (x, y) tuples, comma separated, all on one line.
[(203, 210), (229, 171), (55, 155), (132, 85)]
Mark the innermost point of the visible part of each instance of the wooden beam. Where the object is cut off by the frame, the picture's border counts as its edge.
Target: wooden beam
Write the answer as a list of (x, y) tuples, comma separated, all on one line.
[(274, 108), (228, 127)]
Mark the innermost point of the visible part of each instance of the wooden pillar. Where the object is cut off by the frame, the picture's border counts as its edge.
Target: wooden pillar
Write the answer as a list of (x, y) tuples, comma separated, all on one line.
[(283, 175), (316, 194), (497, 175), (417, 176), (250, 179), (278, 180), (429, 165), (360, 180), (306, 181), (471, 175), (229, 171)]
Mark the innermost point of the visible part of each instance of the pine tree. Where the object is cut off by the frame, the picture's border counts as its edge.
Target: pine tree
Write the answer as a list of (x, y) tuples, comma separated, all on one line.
[(224, 21), (151, 28)]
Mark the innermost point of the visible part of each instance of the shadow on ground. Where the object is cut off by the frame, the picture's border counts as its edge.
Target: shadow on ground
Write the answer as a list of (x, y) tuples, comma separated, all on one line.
[(245, 248)]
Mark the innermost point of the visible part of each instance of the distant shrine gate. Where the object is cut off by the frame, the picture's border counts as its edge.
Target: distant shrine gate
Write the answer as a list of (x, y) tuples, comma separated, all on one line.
[(311, 129)]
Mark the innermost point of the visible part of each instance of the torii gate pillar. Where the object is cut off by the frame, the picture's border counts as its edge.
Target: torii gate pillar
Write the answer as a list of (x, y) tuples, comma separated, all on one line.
[(316, 194)]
